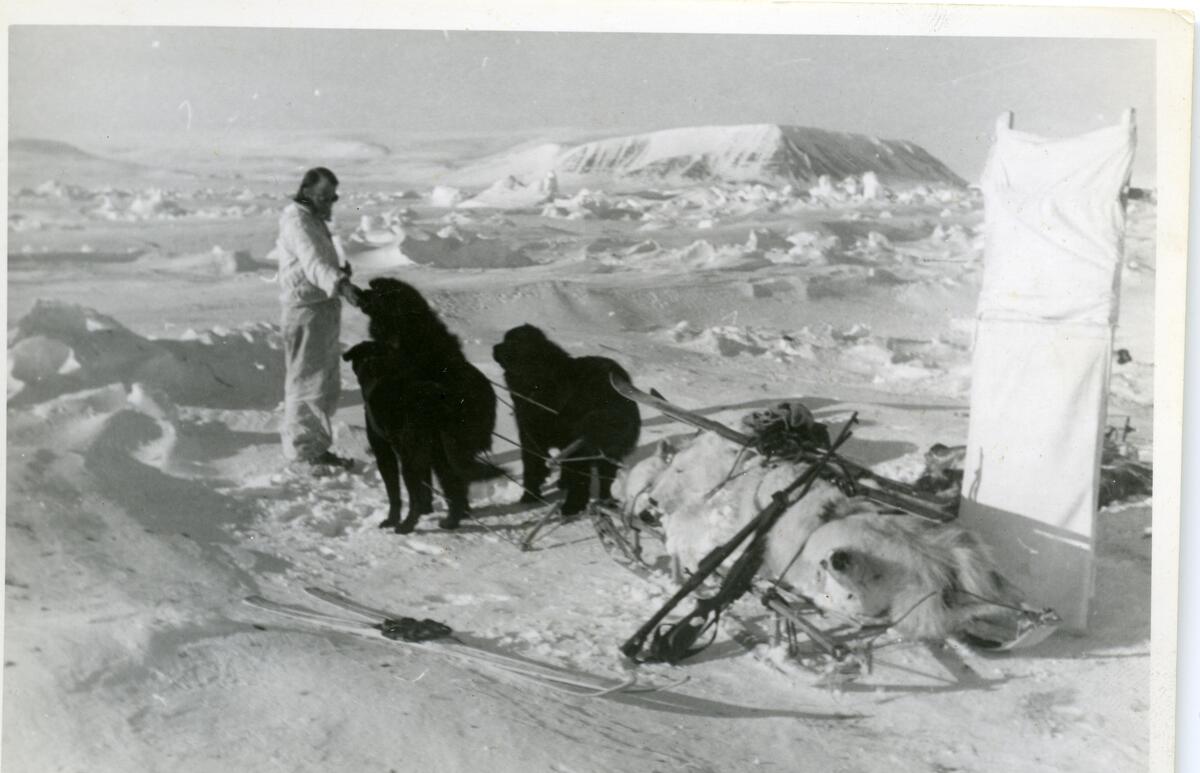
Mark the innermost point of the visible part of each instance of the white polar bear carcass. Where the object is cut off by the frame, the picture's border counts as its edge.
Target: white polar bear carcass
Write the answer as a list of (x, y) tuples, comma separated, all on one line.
[(848, 556)]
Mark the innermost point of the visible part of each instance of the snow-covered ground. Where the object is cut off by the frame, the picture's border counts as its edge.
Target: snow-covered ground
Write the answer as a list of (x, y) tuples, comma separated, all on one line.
[(147, 498)]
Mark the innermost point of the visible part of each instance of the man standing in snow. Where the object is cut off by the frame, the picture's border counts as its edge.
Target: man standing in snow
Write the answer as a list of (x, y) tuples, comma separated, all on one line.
[(313, 287)]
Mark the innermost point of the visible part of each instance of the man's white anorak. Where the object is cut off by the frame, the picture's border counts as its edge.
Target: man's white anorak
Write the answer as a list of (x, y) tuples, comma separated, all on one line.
[(309, 276)]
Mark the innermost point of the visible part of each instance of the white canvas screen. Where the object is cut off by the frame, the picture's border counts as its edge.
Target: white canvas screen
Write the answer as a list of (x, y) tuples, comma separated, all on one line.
[(1054, 230)]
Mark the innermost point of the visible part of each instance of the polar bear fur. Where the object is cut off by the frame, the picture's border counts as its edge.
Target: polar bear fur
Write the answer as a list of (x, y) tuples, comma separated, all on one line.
[(851, 560)]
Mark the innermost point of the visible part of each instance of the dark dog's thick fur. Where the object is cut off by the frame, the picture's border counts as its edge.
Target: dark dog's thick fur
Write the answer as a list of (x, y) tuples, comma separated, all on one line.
[(428, 409), (586, 408)]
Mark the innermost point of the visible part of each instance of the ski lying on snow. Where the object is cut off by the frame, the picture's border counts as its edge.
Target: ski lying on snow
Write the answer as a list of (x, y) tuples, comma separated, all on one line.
[(517, 664), (537, 672), (534, 671), (886, 492), (480, 652), (371, 618), (648, 695), (300, 612)]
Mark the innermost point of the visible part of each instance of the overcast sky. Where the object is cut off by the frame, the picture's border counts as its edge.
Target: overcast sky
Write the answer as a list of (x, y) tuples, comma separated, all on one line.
[(85, 84)]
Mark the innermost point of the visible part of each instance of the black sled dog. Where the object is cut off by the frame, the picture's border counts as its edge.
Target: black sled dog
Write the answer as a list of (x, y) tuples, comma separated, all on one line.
[(586, 418), (428, 409)]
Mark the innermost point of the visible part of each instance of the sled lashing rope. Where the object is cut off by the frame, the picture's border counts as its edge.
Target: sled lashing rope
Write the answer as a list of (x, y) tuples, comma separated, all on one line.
[(529, 400)]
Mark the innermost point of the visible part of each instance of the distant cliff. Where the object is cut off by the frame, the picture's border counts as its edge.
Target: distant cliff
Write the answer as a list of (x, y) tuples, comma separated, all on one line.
[(764, 153)]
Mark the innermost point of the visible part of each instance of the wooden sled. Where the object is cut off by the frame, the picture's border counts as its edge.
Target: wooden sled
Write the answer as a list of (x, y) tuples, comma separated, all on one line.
[(846, 650)]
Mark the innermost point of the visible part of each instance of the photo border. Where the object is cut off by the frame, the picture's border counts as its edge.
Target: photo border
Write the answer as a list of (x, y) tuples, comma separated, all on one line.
[(1171, 30)]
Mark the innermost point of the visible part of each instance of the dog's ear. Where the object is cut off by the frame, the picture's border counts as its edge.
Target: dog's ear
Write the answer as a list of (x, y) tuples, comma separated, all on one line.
[(532, 333), (360, 351)]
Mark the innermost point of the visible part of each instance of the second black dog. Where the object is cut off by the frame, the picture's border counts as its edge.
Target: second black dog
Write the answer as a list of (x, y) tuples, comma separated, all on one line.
[(576, 410), (429, 411)]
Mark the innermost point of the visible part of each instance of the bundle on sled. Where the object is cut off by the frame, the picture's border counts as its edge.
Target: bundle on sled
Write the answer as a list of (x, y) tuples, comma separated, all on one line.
[(1124, 476), (778, 510)]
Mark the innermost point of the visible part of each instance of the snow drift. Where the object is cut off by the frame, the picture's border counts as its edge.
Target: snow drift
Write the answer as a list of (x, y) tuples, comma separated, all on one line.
[(58, 348)]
